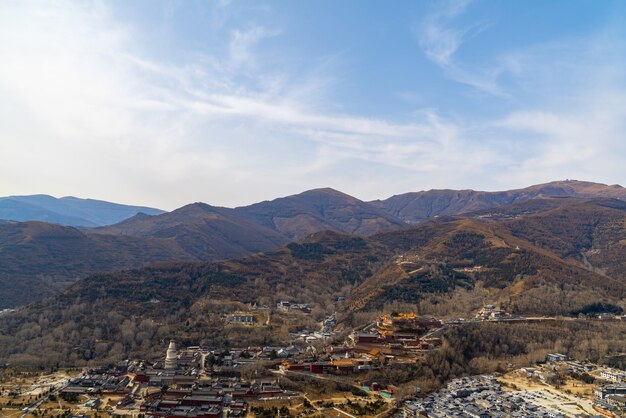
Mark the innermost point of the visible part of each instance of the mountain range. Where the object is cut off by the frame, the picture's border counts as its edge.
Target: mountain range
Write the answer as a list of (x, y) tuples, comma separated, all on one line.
[(40, 259), (545, 256)]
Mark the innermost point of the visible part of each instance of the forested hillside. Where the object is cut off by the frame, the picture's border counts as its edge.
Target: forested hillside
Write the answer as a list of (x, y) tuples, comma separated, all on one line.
[(446, 268)]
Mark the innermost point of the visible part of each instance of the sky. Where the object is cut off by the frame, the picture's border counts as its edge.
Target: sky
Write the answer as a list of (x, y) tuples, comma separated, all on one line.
[(163, 103)]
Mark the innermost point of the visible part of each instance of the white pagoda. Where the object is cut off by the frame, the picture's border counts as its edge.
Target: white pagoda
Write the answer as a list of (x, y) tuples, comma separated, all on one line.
[(171, 360)]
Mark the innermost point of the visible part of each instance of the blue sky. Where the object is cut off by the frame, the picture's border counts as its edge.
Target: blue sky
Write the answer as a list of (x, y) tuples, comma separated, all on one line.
[(232, 102)]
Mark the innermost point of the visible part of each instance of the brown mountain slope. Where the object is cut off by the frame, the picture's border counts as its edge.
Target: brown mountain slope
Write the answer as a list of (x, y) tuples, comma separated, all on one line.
[(206, 232), (300, 215), (197, 232), (258, 227), (589, 231), (201, 232), (275, 222), (444, 256), (38, 259), (418, 206), (129, 312)]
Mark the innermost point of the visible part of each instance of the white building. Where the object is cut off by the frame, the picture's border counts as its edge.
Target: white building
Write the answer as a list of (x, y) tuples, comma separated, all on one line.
[(616, 376), (171, 360)]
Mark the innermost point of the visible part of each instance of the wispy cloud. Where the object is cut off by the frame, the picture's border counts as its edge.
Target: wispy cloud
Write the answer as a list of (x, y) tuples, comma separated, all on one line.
[(87, 110), (242, 43), (76, 83), (440, 37)]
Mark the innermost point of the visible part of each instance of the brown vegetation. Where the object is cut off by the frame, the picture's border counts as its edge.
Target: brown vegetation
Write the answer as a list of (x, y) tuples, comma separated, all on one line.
[(112, 316)]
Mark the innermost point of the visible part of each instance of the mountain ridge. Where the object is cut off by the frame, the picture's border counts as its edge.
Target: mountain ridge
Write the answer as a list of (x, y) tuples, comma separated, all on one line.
[(195, 232), (417, 206), (201, 232)]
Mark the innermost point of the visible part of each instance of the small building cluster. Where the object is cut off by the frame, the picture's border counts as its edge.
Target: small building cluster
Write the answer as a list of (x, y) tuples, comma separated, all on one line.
[(556, 357), (478, 397), (410, 321), (243, 318), (603, 316), (398, 335), (492, 313), (611, 400), (101, 381), (339, 366), (208, 398), (327, 325), (325, 331), (192, 382), (286, 306)]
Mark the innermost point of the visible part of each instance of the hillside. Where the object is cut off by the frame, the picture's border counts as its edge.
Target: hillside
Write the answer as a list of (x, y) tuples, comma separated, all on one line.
[(441, 267), (280, 220), (589, 231), (475, 260), (132, 309), (69, 211), (40, 259), (418, 206)]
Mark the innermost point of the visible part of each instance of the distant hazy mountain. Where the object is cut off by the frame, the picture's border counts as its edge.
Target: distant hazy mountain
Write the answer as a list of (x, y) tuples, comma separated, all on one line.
[(418, 206), (69, 210)]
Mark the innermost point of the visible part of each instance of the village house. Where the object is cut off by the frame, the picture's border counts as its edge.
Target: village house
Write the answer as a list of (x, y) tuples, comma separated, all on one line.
[(613, 375)]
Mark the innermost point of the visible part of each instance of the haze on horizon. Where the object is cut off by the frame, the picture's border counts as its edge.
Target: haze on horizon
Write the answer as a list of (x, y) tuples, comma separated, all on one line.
[(231, 102)]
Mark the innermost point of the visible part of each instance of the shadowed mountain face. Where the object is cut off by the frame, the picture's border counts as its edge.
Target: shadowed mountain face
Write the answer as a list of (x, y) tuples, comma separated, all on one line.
[(39, 259), (70, 211), (418, 206), (210, 232), (532, 262), (204, 232)]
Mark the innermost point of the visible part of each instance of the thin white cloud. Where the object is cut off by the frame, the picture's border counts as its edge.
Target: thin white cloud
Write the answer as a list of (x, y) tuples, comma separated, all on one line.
[(440, 38), (242, 43), (87, 111), (100, 116)]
